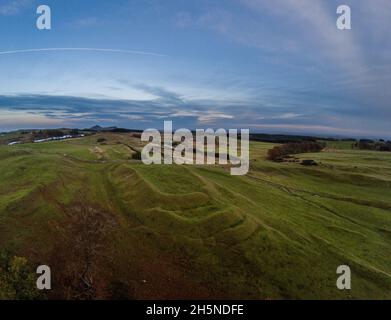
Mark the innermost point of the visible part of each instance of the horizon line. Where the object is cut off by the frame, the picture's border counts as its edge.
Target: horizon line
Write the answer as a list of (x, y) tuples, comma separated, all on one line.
[(313, 135)]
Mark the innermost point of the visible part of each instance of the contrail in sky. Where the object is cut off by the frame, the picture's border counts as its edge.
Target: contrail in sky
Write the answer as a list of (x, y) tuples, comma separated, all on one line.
[(83, 49)]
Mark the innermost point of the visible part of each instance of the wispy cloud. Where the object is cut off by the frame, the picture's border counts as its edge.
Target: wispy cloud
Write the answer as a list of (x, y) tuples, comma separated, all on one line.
[(26, 119), (313, 20), (85, 22), (203, 117), (13, 7), (164, 95), (343, 72)]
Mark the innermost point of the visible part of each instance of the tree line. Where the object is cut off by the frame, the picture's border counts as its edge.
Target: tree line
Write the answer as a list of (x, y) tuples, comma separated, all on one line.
[(366, 144), (279, 152)]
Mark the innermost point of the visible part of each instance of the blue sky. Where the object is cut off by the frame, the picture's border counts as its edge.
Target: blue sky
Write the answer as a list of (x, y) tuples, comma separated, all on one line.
[(271, 66)]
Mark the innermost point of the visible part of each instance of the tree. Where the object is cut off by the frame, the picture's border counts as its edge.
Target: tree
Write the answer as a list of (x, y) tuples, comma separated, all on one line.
[(17, 279)]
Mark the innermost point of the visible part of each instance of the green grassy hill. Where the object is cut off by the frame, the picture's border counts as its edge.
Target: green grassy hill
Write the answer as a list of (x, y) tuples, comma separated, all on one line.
[(86, 207)]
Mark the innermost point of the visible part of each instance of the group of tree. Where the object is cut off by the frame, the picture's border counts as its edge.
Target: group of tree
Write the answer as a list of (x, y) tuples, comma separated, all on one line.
[(367, 144), (278, 153), (285, 138)]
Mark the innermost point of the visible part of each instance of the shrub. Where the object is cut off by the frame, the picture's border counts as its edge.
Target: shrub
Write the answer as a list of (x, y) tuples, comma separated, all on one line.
[(17, 279)]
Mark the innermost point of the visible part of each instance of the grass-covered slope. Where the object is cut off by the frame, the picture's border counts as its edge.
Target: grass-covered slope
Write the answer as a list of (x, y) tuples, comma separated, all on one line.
[(87, 209)]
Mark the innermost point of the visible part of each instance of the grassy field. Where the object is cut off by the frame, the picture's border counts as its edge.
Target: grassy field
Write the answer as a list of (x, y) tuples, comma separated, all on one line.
[(280, 232)]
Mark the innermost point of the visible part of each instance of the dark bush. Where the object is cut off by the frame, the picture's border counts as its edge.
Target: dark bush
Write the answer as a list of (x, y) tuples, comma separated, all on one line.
[(280, 152), (136, 156), (309, 163)]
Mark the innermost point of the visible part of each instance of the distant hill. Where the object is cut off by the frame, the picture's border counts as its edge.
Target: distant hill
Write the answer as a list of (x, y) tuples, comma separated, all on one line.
[(110, 129), (101, 129)]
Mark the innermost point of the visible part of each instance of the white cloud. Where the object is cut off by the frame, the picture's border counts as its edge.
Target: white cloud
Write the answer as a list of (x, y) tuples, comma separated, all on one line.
[(313, 24), (202, 116), (288, 115)]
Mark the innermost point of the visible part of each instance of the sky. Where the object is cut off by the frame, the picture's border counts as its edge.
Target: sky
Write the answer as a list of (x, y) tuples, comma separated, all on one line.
[(278, 66)]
